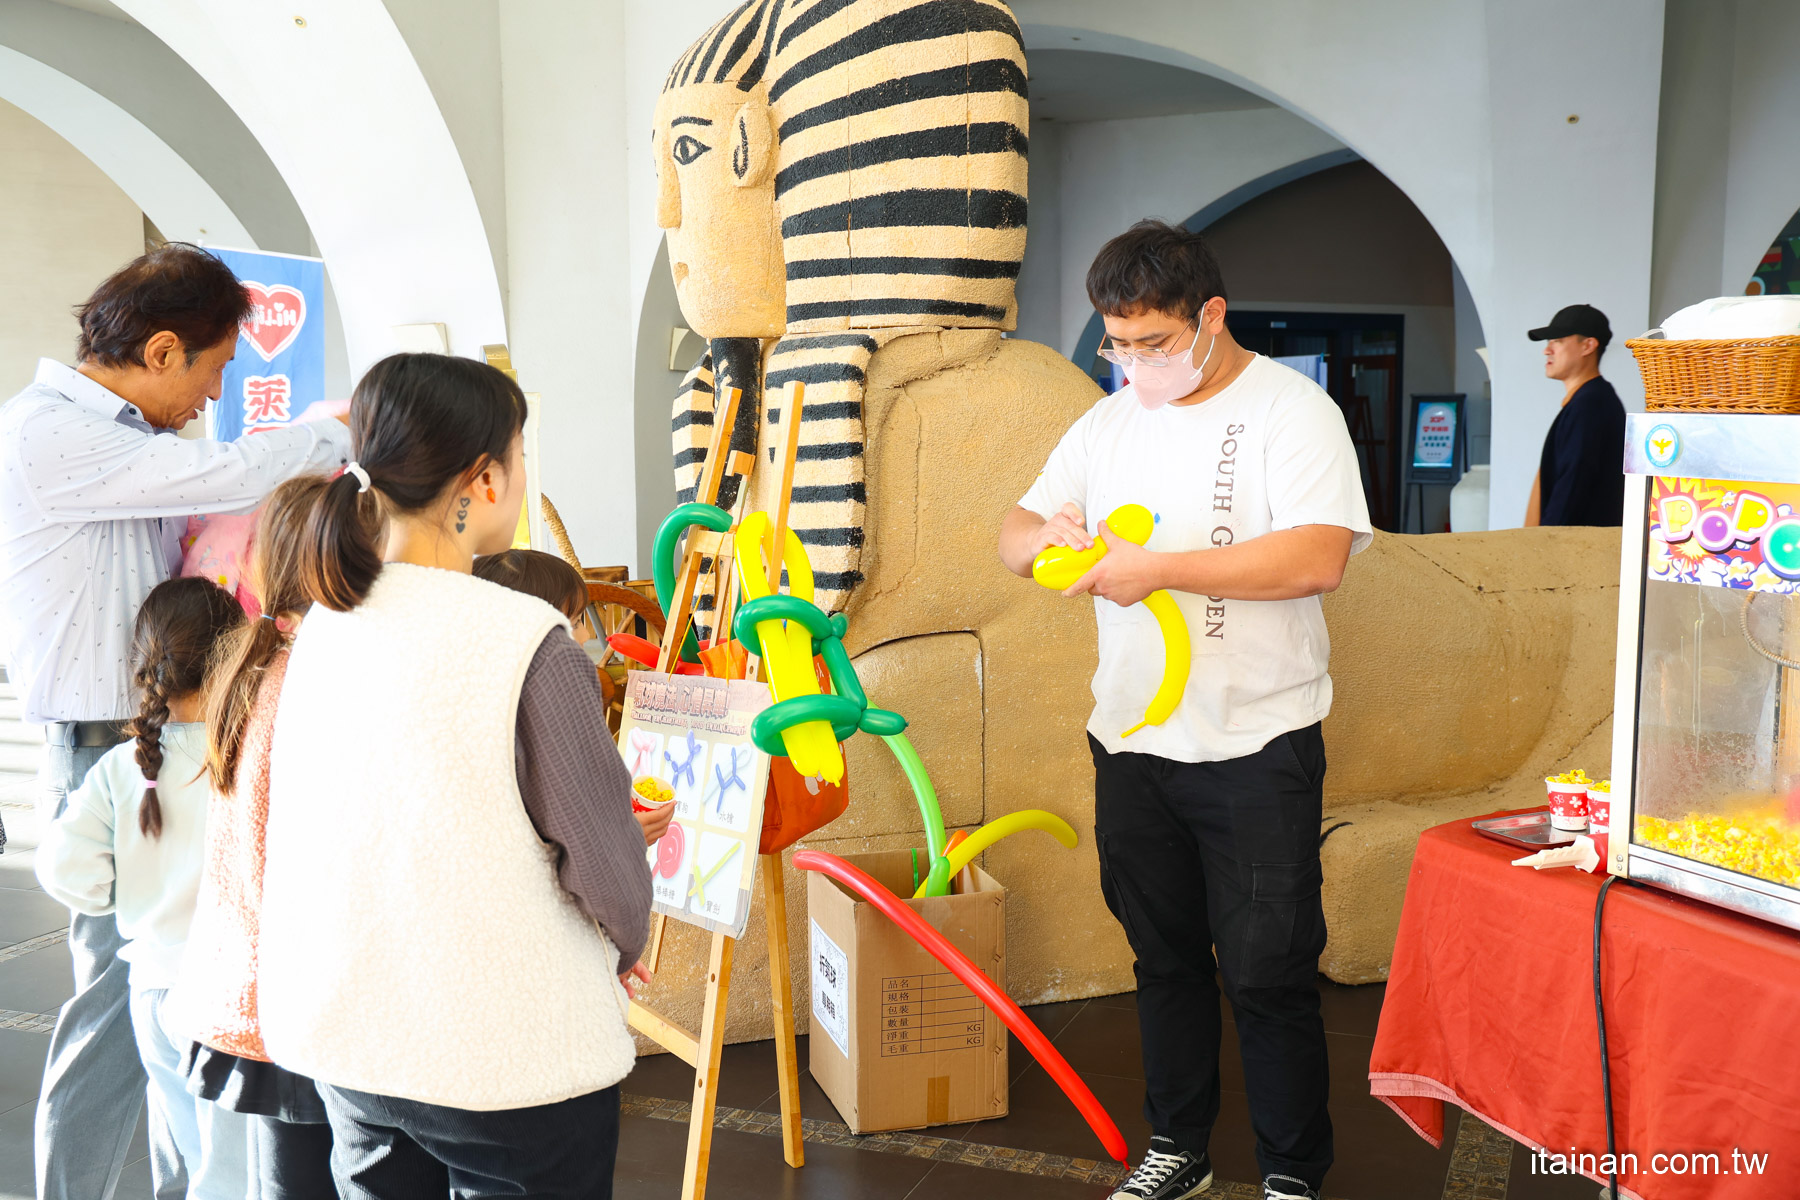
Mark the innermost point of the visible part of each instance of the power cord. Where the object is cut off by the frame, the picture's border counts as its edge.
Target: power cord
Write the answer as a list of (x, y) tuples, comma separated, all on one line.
[(1612, 1148)]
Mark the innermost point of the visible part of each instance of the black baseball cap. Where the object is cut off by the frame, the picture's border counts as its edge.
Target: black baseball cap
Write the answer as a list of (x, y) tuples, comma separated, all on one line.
[(1577, 320)]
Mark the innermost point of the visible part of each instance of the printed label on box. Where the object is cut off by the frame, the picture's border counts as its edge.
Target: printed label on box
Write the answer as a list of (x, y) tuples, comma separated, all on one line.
[(830, 989)]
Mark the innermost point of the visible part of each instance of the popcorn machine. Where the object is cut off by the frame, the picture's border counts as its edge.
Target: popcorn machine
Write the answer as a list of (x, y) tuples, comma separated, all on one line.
[(1706, 739)]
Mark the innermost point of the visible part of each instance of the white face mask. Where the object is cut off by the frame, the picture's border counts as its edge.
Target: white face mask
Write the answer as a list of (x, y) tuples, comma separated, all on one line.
[(1157, 384)]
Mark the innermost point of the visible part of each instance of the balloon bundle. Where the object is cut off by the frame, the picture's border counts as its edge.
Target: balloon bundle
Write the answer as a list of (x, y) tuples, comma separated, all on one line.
[(1059, 567), (807, 725)]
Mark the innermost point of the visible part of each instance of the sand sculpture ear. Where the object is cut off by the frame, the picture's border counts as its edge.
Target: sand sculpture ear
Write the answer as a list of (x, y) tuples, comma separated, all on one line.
[(752, 144)]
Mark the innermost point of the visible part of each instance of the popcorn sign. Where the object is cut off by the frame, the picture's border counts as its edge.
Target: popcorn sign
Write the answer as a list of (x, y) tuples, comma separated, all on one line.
[(280, 365), (1725, 533)]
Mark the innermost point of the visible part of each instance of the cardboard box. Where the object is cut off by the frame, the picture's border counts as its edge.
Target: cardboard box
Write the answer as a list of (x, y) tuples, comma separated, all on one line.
[(897, 1041)]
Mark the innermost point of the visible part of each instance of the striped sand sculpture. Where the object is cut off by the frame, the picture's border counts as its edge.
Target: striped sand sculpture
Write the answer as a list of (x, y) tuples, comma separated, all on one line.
[(842, 185)]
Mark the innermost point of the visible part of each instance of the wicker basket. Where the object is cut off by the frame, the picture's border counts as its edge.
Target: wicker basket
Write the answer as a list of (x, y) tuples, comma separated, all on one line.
[(1733, 375)]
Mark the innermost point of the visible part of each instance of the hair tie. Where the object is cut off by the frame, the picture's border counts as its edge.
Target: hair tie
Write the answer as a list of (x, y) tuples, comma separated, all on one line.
[(149, 783), (268, 616), (362, 476)]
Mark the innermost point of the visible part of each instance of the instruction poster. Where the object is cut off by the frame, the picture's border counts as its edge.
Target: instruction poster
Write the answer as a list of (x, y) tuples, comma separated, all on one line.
[(692, 734)]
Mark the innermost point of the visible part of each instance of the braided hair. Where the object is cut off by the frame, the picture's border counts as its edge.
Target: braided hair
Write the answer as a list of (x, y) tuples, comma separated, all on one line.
[(171, 643)]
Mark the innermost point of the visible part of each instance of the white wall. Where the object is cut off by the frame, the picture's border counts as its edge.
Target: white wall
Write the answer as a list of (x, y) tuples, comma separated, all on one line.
[(1763, 179), (367, 156), (64, 226), (572, 313), (1471, 374)]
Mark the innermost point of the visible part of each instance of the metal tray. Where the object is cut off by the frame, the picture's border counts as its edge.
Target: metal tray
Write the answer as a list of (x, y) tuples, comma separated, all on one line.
[(1531, 829)]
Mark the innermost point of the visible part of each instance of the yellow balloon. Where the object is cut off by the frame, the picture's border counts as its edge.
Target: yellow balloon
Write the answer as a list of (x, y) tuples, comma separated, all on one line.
[(1059, 567), (993, 831), (787, 648)]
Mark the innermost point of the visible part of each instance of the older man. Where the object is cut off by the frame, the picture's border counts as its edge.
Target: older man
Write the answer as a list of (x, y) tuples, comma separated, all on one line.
[(94, 493)]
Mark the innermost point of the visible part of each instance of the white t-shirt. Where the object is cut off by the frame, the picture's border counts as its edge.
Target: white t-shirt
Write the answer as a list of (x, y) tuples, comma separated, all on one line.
[(1269, 452)]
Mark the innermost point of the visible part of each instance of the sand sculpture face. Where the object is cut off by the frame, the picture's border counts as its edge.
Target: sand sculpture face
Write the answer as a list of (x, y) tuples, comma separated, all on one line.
[(896, 134), (715, 153)]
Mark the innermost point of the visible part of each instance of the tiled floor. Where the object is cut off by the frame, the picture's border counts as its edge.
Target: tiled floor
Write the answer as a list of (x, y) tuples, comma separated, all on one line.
[(1378, 1158)]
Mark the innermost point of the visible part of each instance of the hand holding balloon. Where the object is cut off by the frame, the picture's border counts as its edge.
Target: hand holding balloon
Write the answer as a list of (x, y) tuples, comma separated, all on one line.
[(1126, 580)]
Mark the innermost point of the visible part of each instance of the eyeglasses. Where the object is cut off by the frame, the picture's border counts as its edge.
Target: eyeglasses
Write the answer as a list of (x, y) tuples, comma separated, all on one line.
[(1154, 357)]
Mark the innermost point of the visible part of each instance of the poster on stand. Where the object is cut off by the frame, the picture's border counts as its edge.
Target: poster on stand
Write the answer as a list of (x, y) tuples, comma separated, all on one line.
[(690, 734), (279, 370)]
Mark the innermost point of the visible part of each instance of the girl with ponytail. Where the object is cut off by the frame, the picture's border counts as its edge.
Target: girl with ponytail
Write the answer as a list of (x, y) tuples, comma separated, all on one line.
[(450, 842), (215, 1000), (131, 842)]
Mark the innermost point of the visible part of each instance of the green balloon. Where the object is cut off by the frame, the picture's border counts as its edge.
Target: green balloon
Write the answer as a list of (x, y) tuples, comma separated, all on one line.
[(662, 559), (923, 792)]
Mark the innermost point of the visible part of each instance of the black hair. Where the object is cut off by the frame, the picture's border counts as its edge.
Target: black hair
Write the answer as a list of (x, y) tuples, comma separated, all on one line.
[(1154, 265), (418, 423), (538, 574), (172, 642), (175, 288)]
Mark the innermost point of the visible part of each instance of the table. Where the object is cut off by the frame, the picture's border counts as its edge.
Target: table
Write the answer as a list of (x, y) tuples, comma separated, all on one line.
[(1490, 1006)]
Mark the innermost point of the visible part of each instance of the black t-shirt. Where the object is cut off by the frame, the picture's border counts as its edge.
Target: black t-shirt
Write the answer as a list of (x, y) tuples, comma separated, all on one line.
[(1582, 473)]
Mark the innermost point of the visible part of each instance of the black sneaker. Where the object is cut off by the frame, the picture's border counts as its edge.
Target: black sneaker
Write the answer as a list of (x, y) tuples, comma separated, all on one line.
[(1166, 1174), (1286, 1187)]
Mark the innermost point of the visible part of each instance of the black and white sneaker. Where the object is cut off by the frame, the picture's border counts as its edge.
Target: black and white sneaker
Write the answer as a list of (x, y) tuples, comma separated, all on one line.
[(1166, 1174), (1286, 1187)]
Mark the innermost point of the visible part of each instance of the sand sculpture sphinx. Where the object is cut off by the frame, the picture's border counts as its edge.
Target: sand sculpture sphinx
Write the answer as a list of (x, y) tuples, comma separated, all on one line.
[(843, 186)]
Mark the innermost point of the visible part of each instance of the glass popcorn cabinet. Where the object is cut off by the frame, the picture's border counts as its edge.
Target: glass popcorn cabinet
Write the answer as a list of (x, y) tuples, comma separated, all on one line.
[(1706, 740)]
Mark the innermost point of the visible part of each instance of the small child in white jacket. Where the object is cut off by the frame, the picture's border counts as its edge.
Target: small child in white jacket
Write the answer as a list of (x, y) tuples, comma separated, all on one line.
[(132, 841)]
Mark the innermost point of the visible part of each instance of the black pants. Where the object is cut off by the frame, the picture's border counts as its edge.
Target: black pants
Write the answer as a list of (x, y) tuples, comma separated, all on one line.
[(1224, 855), (290, 1160), (389, 1149)]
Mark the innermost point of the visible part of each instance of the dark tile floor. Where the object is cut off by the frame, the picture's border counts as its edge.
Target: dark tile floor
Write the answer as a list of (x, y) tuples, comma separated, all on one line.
[(1378, 1158)]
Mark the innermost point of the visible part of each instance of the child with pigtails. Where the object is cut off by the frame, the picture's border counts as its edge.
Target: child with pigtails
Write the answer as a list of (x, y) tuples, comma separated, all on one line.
[(131, 842)]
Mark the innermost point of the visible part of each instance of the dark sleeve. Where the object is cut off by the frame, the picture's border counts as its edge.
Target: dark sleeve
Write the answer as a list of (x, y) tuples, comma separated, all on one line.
[(578, 793)]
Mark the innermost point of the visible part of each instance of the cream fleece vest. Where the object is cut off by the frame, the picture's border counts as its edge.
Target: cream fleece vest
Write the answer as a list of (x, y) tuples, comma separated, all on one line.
[(415, 942)]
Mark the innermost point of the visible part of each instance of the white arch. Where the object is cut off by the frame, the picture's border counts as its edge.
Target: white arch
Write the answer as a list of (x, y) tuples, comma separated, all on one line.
[(349, 121), (159, 181)]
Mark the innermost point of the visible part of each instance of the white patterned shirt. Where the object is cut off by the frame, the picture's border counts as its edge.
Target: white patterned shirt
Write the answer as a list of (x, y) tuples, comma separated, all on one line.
[(85, 486)]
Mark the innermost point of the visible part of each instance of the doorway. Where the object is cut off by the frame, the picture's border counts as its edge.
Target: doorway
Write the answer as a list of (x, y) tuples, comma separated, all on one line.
[(1363, 355)]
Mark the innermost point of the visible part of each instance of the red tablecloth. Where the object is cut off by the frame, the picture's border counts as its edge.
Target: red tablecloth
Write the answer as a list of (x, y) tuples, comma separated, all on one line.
[(1490, 1006)]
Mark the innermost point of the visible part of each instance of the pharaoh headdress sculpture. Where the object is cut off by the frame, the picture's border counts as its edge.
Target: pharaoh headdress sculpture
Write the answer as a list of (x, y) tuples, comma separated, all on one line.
[(836, 174)]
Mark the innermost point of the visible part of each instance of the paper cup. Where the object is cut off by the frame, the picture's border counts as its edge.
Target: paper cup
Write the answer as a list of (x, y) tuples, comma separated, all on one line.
[(1599, 810), (1568, 805), (640, 804)]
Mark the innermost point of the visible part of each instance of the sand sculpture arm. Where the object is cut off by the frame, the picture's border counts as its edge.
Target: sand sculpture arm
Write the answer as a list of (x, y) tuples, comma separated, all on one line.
[(1284, 564)]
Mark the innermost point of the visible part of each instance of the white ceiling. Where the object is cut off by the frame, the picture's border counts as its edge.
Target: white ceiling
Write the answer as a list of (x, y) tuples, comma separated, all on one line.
[(1082, 85)]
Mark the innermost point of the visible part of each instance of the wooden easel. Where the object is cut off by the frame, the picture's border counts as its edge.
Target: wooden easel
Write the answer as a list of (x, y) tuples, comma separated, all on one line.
[(702, 1051)]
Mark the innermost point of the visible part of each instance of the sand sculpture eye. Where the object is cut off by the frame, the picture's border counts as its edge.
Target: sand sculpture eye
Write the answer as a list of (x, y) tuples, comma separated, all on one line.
[(687, 148)]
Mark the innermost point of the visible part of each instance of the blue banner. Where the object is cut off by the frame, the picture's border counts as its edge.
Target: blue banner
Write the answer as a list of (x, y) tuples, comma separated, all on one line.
[(280, 366)]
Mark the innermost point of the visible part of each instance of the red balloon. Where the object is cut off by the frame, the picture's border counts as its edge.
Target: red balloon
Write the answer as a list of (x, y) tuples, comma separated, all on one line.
[(669, 849), (976, 980)]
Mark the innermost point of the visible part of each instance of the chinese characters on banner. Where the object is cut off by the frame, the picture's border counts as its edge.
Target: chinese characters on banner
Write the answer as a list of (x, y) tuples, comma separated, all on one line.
[(1435, 438), (280, 365)]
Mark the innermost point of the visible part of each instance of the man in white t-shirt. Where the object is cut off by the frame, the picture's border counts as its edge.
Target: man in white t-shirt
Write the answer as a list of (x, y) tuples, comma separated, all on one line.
[(1208, 823)]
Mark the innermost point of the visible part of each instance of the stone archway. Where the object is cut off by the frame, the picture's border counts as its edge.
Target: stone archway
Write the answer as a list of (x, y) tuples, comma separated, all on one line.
[(344, 112), (176, 198)]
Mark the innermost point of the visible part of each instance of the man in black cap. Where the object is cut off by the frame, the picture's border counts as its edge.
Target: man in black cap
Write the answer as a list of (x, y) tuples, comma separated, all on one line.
[(1581, 476)]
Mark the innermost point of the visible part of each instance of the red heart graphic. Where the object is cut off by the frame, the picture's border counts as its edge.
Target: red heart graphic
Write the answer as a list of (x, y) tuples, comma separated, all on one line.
[(276, 316)]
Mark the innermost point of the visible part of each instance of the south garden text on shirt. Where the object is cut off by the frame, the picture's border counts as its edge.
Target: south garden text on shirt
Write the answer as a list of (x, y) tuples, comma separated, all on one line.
[(1269, 452)]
